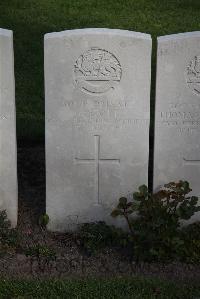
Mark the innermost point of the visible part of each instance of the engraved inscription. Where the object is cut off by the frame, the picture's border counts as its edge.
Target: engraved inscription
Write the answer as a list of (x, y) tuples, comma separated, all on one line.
[(102, 113), (184, 121), (174, 48), (96, 161), (102, 119), (185, 115), (193, 75), (97, 71)]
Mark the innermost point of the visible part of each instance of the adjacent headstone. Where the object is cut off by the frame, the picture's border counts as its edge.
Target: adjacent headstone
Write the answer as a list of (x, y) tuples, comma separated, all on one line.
[(177, 122), (97, 122), (8, 167)]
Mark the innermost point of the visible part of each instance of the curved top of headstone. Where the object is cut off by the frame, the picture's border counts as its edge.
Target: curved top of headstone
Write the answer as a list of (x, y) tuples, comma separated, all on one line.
[(6, 32), (98, 31), (179, 36)]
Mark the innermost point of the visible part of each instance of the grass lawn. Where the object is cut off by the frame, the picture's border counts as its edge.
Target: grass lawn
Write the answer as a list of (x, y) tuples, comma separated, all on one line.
[(136, 288), (31, 19)]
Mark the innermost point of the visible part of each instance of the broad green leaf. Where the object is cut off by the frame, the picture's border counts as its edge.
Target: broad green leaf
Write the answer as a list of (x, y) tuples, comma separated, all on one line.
[(137, 196), (116, 213), (194, 200), (143, 189), (123, 200)]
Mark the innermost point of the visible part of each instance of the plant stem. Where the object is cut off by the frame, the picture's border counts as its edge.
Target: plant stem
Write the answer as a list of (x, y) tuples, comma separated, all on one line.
[(128, 221)]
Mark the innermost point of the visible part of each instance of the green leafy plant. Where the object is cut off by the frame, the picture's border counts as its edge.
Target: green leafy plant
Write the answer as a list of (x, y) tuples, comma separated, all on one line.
[(93, 237), (155, 229), (42, 254), (44, 220), (8, 235), (190, 251), (40, 251)]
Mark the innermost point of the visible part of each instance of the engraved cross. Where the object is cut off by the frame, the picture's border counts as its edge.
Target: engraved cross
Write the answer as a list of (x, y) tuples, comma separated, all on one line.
[(97, 162), (191, 161)]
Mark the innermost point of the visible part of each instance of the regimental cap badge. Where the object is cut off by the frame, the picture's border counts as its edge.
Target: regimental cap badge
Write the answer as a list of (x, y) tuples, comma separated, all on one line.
[(97, 71), (193, 75)]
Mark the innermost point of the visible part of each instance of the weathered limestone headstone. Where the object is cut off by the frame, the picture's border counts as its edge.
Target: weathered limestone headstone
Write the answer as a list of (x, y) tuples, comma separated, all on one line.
[(177, 124), (97, 122), (8, 168)]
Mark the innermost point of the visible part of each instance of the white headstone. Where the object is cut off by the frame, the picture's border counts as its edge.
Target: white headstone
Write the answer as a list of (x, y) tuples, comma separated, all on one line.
[(8, 167), (97, 122), (177, 124)]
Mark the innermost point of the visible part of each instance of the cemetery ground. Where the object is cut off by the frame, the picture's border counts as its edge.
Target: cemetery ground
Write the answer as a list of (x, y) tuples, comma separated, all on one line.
[(30, 20), (55, 257)]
